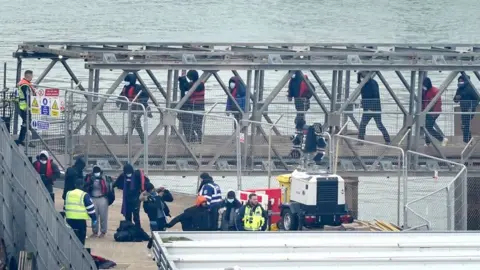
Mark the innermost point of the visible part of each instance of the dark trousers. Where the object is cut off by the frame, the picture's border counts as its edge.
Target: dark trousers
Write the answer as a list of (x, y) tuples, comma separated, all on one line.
[(213, 218), (301, 106), (466, 121), (23, 129), (79, 226), (430, 127), (133, 211), (366, 117), (137, 125), (192, 126)]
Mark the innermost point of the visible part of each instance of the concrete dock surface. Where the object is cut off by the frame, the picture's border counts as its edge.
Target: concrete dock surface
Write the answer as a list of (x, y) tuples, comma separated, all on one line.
[(127, 255)]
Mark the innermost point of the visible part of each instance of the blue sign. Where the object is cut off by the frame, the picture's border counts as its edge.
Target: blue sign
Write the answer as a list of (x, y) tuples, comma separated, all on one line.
[(44, 110), (43, 125), (45, 102), (34, 124)]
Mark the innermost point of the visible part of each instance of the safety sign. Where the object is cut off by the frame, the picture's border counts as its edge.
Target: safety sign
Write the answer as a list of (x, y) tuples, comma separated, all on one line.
[(40, 125), (45, 109), (35, 108)]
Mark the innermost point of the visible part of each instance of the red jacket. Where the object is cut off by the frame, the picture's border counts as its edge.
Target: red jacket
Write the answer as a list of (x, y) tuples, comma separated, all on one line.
[(428, 96)]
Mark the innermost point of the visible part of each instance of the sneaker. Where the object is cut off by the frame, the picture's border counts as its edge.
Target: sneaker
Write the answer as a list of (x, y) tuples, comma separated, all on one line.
[(94, 235), (426, 145), (102, 235), (444, 142)]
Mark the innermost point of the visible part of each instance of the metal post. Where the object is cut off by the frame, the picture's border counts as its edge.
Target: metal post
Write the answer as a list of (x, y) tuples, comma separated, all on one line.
[(270, 151), (27, 134), (262, 85), (175, 85), (167, 127), (17, 79), (4, 90), (347, 91), (90, 116), (418, 109), (246, 116), (411, 106), (256, 80)]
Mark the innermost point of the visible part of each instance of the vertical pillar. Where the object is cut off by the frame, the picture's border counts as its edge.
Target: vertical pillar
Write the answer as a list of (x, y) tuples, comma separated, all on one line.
[(175, 85), (333, 100), (90, 116), (262, 85), (17, 79), (351, 195), (418, 109), (256, 83), (168, 100), (411, 106), (473, 202), (347, 93), (246, 116)]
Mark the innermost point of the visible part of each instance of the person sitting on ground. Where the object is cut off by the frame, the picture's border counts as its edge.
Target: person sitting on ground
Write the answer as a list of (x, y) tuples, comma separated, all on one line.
[(195, 218), (228, 210)]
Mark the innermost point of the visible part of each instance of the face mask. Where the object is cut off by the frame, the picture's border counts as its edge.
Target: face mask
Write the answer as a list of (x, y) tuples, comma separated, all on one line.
[(127, 83), (230, 200), (424, 88), (43, 161), (460, 84), (97, 174), (293, 76), (232, 85), (128, 175)]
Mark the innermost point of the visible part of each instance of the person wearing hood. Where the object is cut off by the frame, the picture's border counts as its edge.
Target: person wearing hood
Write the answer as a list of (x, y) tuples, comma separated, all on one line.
[(372, 107), (134, 93), (228, 211), (192, 124), (468, 99), (428, 93), (100, 188), (72, 174), (195, 218), (239, 92), (48, 171), (133, 183), (298, 91), (155, 206), (212, 192)]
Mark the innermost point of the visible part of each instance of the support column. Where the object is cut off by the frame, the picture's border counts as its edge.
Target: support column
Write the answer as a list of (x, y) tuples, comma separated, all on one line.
[(351, 195), (473, 201), (411, 106), (90, 115), (17, 79)]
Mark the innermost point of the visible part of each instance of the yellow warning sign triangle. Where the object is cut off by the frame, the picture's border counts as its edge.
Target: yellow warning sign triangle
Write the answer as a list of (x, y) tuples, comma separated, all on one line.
[(34, 103), (55, 105)]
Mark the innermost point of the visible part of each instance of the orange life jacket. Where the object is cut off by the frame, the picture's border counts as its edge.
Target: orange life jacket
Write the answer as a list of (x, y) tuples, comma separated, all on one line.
[(304, 91), (26, 82), (198, 97), (142, 180), (102, 183), (49, 170)]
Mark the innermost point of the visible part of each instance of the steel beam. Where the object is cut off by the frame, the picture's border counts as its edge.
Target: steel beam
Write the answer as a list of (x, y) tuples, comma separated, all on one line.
[(203, 78), (275, 91), (392, 93), (358, 90), (157, 83)]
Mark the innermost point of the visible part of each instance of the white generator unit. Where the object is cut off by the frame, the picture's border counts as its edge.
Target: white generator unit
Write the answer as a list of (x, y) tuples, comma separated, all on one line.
[(316, 199)]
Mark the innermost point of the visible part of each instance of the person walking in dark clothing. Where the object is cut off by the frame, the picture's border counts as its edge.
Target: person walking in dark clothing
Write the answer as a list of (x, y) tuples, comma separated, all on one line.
[(429, 92), (298, 91), (190, 123), (132, 182), (99, 187), (155, 206), (239, 92), (48, 171), (468, 99), (72, 175), (134, 93), (371, 107), (24, 95), (212, 192), (195, 218), (228, 210), (77, 213)]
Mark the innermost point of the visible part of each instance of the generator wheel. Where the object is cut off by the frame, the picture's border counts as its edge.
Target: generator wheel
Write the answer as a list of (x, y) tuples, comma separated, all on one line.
[(289, 220)]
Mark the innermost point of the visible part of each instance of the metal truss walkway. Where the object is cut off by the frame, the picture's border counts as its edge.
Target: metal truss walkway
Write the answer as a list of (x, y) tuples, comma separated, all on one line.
[(332, 103)]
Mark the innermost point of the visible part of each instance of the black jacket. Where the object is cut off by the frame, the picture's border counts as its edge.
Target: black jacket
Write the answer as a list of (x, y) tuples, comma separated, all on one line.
[(468, 97), (195, 218), (153, 202), (185, 85), (72, 174), (371, 96)]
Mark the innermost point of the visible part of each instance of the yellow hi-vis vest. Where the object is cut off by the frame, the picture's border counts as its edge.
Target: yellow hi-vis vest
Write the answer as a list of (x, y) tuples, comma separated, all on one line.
[(253, 221), (74, 206), (21, 98)]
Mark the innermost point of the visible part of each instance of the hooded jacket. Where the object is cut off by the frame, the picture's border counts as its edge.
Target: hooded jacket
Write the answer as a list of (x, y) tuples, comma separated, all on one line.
[(238, 92), (44, 171), (72, 174), (467, 96), (195, 218), (131, 90), (229, 215), (429, 94), (132, 187), (370, 95), (185, 85)]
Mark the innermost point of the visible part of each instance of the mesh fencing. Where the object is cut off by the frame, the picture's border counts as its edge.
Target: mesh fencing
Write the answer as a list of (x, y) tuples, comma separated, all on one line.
[(378, 197), (193, 141), (29, 220), (436, 202)]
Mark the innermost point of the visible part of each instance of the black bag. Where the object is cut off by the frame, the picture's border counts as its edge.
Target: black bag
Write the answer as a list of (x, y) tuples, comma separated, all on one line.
[(111, 191)]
